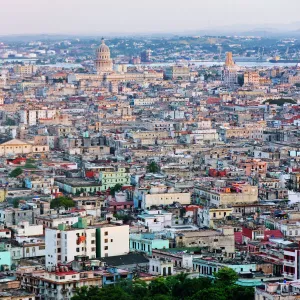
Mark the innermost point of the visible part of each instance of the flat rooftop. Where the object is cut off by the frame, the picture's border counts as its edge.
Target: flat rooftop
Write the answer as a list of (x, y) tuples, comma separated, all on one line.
[(77, 182)]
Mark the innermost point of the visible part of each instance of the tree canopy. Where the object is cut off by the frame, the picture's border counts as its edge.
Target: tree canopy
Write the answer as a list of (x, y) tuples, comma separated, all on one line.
[(153, 167), (62, 202), (16, 172), (280, 101), (115, 189), (178, 287)]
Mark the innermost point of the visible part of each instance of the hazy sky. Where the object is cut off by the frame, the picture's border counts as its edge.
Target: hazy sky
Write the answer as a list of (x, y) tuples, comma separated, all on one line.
[(128, 16)]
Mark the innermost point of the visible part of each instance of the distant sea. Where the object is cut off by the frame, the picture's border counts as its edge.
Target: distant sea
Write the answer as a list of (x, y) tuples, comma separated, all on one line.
[(247, 64)]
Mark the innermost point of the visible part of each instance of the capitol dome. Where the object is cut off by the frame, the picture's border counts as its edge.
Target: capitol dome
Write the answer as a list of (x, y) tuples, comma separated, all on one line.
[(102, 48), (103, 62)]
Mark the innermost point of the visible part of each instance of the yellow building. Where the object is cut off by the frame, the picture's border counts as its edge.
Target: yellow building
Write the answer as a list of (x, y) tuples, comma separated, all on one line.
[(2, 194), (24, 70)]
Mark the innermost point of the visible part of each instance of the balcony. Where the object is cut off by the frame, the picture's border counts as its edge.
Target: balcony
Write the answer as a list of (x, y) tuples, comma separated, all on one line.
[(288, 275), (290, 263)]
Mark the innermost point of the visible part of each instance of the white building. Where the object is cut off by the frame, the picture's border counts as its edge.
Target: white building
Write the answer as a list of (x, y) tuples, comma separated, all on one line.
[(155, 220), (25, 229), (63, 244), (161, 267), (112, 240), (144, 101), (32, 116)]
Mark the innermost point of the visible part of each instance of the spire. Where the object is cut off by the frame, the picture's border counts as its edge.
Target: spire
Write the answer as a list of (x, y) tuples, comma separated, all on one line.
[(102, 41)]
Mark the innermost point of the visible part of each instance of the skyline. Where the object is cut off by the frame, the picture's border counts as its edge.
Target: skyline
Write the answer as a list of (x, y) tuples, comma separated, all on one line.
[(119, 17)]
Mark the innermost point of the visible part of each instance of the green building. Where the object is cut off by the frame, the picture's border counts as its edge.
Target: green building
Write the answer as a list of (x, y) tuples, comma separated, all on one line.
[(5, 257), (145, 242), (110, 176)]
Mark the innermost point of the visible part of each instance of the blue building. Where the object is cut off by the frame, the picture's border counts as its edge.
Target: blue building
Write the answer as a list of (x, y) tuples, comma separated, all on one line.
[(114, 275)]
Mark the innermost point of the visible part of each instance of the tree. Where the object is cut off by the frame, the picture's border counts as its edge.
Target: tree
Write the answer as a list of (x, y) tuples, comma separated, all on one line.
[(62, 202), (10, 122), (236, 292), (226, 276), (153, 167), (16, 172), (211, 294), (178, 287), (115, 189), (241, 80), (159, 287), (16, 203)]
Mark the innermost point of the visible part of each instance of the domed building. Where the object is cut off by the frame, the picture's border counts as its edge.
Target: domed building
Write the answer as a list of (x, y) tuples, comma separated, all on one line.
[(103, 62), (107, 74)]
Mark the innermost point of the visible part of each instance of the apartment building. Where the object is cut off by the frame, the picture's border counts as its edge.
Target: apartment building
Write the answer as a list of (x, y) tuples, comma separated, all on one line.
[(25, 69), (110, 176), (252, 166), (144, 101), (146, 242), (32, 116), (177, 72), (112, 240), (26, 229), (158, 199), (251, 77), (65, 242), (236, 193)]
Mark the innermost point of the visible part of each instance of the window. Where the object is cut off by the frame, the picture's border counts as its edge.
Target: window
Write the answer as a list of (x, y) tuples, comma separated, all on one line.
[(77, 250), (111, 240), (106, 241), (106, 233), (105, 247), (93, 242)]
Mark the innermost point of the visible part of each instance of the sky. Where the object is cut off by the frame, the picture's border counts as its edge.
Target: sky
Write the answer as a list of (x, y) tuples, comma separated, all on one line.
[(141, 16)]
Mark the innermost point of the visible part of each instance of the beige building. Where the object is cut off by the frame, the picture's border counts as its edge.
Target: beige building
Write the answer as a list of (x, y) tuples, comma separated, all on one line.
[(18, 147), (251, 77), (149, 200), (25, 70), (237, 193), (177, 72), (223, 238), (249, 131), (104, 67)]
